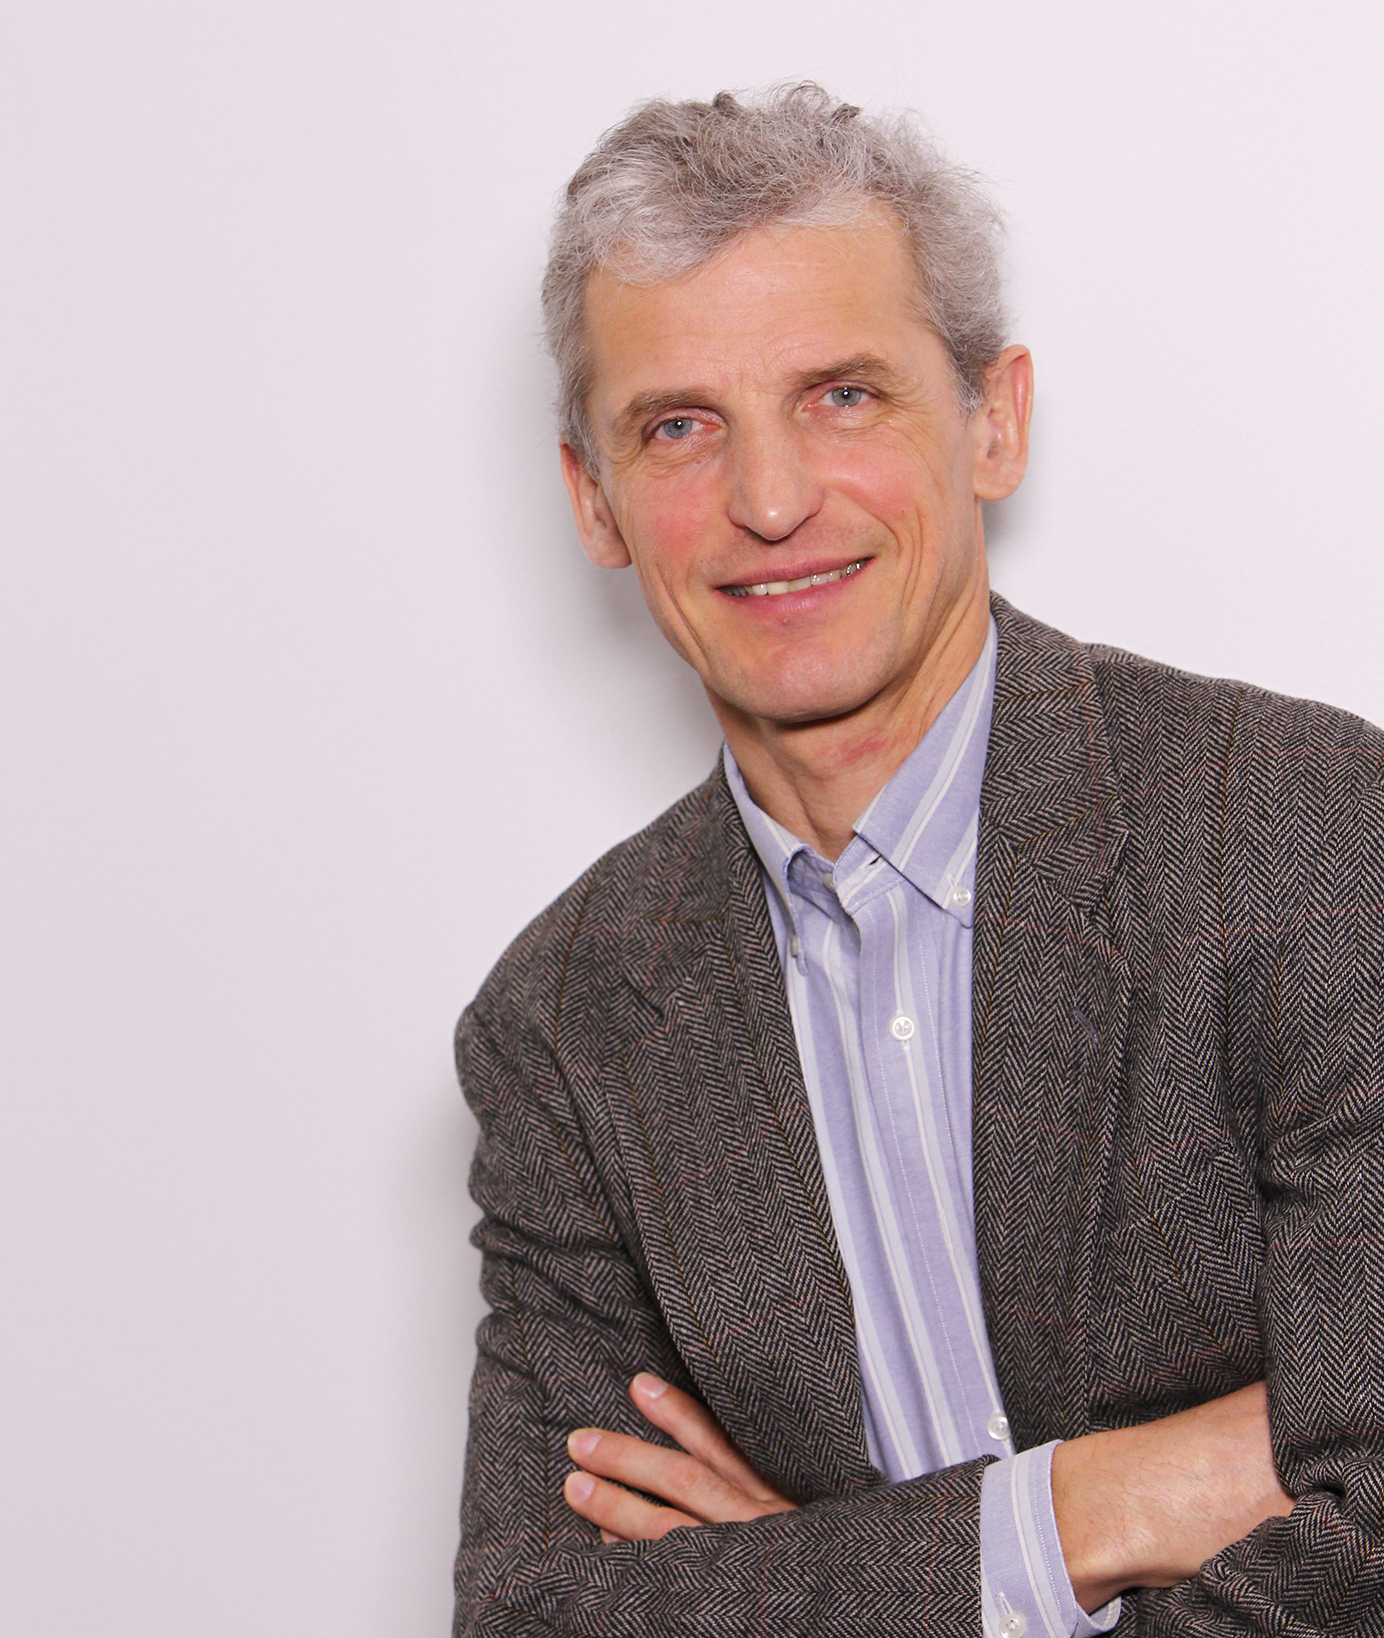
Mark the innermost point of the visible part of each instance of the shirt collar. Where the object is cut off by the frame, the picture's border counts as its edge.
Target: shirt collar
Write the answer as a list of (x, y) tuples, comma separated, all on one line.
[(924, 821), (926, 818), (776, 846)]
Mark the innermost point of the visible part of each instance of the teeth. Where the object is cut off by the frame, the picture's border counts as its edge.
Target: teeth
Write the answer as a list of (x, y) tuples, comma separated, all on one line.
[(776, 588)]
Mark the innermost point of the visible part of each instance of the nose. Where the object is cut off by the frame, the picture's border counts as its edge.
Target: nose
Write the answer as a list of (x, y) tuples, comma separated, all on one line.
[(773, 488)]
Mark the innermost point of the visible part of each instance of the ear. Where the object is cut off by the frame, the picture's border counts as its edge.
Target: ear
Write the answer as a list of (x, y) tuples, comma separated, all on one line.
[(600, 534), (999, 426)]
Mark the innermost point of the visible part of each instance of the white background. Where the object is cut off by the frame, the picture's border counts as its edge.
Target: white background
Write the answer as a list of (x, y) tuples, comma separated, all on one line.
[(309, 699)]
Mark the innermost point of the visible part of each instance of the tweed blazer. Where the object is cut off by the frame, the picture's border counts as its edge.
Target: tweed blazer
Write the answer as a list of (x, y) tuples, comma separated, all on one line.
[(1178, 1105)]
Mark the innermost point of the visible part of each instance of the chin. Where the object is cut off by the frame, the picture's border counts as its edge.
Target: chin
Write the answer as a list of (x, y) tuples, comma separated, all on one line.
[(795, 705), (816, 689)]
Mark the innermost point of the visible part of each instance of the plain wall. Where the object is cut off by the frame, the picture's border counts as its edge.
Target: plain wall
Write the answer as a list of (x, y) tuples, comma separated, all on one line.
[(310, 700)]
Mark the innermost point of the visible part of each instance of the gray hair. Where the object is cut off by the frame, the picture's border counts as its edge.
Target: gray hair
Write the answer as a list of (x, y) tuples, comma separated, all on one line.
[(676, 182)]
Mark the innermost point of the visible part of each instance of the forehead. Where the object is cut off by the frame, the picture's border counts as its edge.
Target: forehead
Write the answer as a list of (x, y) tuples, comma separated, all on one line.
[(777, 301)]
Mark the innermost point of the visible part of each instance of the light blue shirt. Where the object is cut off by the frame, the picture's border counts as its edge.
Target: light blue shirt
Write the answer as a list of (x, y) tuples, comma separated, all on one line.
[(876, 955)]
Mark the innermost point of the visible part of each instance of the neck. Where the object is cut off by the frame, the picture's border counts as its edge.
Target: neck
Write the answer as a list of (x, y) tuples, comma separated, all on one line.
[(817, 778)]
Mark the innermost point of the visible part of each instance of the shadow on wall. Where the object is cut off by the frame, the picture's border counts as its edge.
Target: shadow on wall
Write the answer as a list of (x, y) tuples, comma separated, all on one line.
[(593, 626), (438, 1281), (1006, 523)]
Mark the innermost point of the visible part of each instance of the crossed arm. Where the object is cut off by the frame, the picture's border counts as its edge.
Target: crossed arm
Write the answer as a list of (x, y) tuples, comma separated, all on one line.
[(573, 1322), (649, 1534), (1136, 1507)]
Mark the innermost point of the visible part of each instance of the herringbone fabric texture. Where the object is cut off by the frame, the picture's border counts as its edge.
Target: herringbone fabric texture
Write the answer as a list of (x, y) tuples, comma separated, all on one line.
[(1179, 1099)]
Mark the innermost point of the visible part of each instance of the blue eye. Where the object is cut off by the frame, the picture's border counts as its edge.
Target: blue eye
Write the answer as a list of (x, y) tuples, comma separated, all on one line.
[(678, 427), (846, 397)]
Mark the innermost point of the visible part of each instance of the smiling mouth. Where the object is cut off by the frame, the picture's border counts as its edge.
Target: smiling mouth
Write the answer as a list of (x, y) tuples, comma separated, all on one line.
[(776, 588)]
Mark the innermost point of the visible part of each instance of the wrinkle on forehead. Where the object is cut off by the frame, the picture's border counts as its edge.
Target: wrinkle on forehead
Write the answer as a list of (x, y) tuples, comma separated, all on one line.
[(780, 303)]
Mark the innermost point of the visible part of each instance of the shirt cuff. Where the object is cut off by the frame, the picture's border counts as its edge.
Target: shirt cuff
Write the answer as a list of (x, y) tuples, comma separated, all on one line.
[(1024, 1585)]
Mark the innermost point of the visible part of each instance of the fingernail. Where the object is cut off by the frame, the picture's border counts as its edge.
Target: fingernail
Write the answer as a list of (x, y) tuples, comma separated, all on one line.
[(649, 1385), (583, 1442), (579, 1487)]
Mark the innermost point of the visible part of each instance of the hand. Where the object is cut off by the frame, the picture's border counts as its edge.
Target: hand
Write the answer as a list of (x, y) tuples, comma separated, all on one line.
[(707, 1481), (1147, 1506)]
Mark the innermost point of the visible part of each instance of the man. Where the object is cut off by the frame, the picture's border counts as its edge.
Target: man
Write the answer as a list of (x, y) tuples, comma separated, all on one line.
[(929, 1175)]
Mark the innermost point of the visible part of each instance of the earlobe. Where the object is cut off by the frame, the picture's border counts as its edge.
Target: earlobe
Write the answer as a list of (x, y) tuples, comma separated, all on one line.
[(1001, 425), (600, 534)]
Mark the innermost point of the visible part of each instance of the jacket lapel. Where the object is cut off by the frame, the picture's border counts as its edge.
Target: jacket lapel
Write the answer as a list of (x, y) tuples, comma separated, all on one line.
[(1050, 997), (715, 1131)]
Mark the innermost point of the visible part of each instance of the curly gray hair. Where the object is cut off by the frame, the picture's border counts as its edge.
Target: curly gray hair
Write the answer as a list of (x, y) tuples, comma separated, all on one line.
[(676, 182)]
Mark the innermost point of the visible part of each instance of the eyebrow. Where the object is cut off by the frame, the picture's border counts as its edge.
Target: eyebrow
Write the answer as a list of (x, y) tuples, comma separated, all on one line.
[(859, 366), (868, 367), (648, 404)]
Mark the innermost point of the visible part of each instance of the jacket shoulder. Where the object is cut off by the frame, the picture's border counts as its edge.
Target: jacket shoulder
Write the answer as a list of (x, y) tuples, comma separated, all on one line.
[(1200, 766), (1161, 720), (578, 939)]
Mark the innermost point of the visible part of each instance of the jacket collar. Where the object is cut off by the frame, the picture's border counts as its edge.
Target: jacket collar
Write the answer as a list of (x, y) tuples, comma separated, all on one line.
[(1050, 789)]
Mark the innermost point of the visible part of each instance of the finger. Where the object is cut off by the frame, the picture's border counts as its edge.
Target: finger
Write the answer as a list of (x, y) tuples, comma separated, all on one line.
[(619, 1515), (699, 1434), (671, 1475)]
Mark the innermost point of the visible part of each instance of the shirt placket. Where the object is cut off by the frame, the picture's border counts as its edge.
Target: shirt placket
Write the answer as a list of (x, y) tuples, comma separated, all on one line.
[(828, 994), (914, 1168)]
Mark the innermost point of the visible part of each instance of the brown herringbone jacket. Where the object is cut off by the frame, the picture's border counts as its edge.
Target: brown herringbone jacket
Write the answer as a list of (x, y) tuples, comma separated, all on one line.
[(1179, 1185)]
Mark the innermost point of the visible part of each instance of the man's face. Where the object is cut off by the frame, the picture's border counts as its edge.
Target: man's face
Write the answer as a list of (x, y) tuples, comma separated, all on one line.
[(782, 418)]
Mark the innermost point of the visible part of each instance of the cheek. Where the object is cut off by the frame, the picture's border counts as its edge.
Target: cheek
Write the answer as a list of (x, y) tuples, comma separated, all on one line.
[(894, 480), (667, 523)]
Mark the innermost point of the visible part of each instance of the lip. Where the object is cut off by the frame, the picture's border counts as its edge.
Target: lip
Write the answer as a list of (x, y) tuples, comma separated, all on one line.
[(811, 575)]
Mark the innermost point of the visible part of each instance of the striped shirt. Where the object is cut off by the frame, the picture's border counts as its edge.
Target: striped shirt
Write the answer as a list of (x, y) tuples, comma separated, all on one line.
[(876, 954)]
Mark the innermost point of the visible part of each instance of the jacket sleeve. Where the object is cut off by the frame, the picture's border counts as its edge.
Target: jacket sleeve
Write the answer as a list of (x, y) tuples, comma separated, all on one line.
[(1316, 936), (571, 1321)]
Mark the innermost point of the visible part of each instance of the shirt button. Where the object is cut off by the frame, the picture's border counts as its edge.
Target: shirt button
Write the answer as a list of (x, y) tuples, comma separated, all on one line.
[(998, 1426), (961, 897), (902, 1027), (1013, 1625), (795, 945)]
